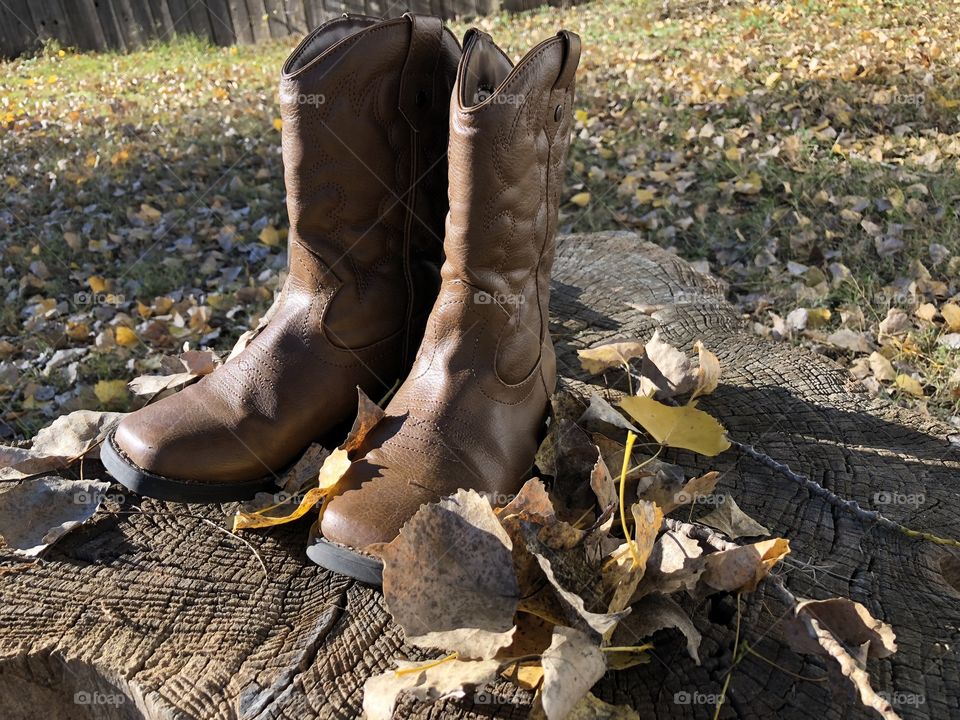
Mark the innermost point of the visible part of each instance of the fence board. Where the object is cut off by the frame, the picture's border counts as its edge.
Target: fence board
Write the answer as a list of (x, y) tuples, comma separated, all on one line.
[(49, 21), (259, 25), (296, 17), (241, 21), (109, 26), (18, 26), (355, 6), (162, 22), (276, 20), (127, 24), (85, 26), (221, 23)]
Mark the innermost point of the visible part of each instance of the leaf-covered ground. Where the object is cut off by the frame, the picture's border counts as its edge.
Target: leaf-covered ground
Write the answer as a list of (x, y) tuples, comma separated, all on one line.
[(807, 152)]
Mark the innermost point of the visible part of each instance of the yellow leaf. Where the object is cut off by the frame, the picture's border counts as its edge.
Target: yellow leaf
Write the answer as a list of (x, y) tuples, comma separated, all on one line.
[(149, 212), (581, 199), (909, 385), (529, 676), (77, 330), (772, 80), (817, 317), (645, 196), (333, 468), (110, 392), (581, 116), (126, 336), (245, 520), (97, 284), (269, 236), (277, 124), (951, 313), (750, 185), (679, 427), (927, 311), (896, 197), (595, 360)]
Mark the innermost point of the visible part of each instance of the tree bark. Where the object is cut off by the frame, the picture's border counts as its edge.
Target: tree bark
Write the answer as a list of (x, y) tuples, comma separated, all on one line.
[(170, 618)]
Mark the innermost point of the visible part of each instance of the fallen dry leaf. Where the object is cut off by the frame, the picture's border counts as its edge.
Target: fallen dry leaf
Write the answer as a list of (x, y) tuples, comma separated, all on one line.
[(657, 612), (841, 629), (56, 446), (601, 358), (673, 565), (666, 371), (601, 416), (733, 522), (679, 427), (708, 372), (591, 707), (951, 314), (424, 681), (669, 496), (34, 514), (571, 666), (741, 569), (850, 622), (448, 578)]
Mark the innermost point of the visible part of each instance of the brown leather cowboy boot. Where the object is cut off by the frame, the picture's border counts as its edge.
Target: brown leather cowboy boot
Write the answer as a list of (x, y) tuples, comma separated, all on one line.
[(469, 413), (365, 106)]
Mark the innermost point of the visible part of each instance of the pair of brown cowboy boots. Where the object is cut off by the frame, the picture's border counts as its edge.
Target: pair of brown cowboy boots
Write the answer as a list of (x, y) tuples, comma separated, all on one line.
[(422, 190)]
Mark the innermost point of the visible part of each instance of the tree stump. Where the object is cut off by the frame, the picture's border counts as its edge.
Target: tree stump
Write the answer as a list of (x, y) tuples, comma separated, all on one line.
[(167, 617)]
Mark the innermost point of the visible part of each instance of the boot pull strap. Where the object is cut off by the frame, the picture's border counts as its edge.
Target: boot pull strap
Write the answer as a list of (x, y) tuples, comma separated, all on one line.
[(571, 58), (417, 83)]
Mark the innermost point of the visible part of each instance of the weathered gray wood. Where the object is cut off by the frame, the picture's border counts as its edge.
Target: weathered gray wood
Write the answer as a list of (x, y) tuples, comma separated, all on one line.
[(49, 21), (259, 20), (357, 6), (17, 30), (83, 26), (221, 24), (296, 15), (241, 21), (179, 12), (180, 621), (109, 25), (276, 20), (163, 27), (316, 13), (127, 24)]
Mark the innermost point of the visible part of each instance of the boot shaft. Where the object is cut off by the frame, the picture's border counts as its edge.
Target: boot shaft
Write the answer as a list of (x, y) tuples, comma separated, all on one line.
[(509, 135), (364, 105)]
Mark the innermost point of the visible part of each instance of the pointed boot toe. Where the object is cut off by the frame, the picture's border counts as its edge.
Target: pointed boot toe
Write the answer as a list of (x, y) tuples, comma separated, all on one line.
[(160, 454)]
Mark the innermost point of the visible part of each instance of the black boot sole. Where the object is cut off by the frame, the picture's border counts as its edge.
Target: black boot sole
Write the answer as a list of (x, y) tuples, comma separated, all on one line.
[(345, 561)]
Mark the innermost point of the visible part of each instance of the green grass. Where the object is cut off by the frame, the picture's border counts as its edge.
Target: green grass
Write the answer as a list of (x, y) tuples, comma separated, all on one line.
[(804, 97)]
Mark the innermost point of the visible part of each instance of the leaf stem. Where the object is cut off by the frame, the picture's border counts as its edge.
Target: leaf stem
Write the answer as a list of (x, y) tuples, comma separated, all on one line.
[(428, 666)]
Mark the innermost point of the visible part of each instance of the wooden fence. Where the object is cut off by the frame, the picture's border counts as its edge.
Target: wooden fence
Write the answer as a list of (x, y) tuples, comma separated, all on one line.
[(127, 24)]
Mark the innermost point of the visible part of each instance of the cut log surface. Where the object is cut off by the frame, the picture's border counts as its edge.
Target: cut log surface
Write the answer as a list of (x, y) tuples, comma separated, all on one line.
[(162, 615)]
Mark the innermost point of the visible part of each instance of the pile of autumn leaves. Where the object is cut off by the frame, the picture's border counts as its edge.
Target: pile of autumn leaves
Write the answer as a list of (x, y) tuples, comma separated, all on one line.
[(570, 579)]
